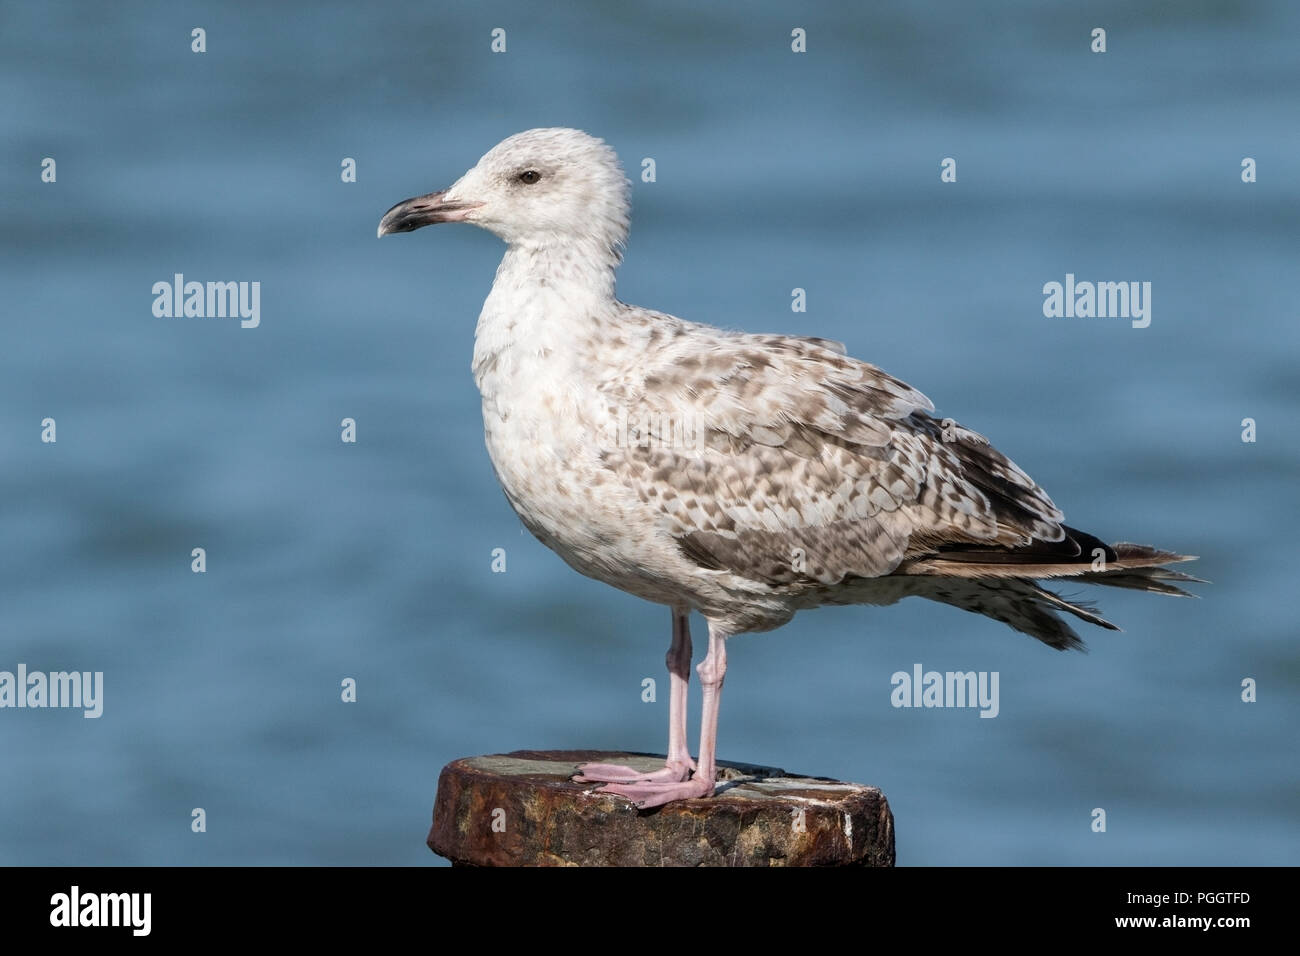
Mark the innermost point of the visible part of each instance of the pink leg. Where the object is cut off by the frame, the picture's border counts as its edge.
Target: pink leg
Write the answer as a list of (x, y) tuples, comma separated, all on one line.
[(678, 660), (679, 764), (646, 794)]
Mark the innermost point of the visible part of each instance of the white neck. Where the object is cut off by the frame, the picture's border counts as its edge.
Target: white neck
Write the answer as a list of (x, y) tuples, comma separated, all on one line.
[(586, 263), (546, 296)]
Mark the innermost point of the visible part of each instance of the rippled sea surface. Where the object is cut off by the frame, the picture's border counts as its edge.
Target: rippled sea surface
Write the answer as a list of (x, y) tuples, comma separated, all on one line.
[(775, 170)]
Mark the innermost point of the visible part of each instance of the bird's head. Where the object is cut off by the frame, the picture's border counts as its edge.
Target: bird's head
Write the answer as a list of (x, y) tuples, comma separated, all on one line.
[(537, 188)]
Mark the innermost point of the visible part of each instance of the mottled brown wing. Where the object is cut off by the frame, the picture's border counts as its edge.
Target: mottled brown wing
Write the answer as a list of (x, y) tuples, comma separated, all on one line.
[(786, 462)]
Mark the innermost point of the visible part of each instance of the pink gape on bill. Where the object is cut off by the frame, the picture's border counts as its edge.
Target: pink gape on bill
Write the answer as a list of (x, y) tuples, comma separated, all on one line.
[(746, 477)]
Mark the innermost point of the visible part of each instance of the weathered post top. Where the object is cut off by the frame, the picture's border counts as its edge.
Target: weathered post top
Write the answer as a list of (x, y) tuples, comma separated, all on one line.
[(521, 809)]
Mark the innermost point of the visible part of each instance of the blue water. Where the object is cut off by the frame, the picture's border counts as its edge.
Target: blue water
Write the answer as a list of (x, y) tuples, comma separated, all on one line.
[(774, 171)]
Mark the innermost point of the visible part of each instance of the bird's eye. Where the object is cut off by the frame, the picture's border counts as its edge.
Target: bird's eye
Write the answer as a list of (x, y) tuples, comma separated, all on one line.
[(529, 176)]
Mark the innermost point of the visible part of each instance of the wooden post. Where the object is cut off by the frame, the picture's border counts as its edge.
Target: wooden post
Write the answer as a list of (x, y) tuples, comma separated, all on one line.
[(521, 809)]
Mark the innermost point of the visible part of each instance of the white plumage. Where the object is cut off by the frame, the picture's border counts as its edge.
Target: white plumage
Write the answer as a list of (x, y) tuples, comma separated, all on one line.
[(743, 476)]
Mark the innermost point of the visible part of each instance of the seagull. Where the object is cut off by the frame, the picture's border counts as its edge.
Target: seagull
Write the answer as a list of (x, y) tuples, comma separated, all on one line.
[(742, 476)]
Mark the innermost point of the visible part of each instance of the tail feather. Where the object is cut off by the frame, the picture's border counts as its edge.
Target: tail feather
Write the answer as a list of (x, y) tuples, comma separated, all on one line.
[(1140, 555), (1155, 580), (1017, 602), (1000, 583), (1035, 560), (1139, 568)]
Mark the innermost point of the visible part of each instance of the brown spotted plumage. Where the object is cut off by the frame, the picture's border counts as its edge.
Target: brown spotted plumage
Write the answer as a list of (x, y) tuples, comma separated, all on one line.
[(743, 476), (813, 475)]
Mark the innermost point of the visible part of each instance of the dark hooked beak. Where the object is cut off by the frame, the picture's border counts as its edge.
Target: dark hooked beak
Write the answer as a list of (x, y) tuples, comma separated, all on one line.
[(410, 214)]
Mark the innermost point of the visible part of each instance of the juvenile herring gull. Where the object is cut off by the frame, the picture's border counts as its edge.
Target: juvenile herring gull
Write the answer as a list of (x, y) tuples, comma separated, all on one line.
[(743, 476)]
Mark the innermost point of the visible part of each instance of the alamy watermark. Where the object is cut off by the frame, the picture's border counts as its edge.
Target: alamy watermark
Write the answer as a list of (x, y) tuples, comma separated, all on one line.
[(922, 688), (1101, 300), (128, 910), (212, 300), (82, 690), (633, 428)]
